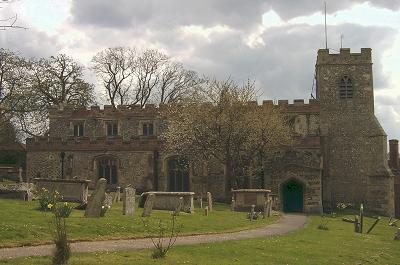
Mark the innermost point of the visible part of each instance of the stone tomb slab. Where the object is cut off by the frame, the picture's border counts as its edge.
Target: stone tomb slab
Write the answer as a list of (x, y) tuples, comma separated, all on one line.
[(245, 198), (170, 200), (71, 190)]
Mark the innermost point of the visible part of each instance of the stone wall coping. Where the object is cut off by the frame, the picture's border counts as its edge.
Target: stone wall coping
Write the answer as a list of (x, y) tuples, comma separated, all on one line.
[(61, 180), (251, 191), (169, 193)]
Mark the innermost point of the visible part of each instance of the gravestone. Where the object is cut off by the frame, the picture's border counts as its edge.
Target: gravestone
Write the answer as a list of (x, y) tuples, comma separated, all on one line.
[(397, 236), (95, 202), (20, 174), (206, 211), (209, 201), (108, 201), (200, 201), (148, 205), (117, 196), (265, 209), (252, 213), (178, 207), (128, 201)]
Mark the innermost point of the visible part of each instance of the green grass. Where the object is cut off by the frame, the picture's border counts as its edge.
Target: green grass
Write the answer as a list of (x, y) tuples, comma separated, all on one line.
[(338, 245), (22, 224)]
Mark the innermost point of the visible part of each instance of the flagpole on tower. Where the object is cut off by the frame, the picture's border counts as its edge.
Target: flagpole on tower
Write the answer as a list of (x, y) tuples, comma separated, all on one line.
[(326, 32)]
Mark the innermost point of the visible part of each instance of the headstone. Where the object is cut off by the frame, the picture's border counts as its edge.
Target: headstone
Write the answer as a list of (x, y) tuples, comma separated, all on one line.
[(20, 174), (108, 200), (128, 201), (117, 196), (252, 212), (209, 202), (200, 200), (265, 209), (397, 236), (206, 211), (178, 207), (95, 202), (148, 205)]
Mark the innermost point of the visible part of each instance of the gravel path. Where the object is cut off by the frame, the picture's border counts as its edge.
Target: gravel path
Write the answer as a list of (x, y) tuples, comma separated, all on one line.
[(288, 223)]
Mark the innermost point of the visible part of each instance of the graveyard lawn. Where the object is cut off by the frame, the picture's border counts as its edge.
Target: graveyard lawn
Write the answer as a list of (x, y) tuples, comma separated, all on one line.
[(309, 246), (21, 223)]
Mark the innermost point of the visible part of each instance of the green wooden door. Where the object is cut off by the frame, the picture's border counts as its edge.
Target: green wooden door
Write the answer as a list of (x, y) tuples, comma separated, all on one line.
[(292, 197)]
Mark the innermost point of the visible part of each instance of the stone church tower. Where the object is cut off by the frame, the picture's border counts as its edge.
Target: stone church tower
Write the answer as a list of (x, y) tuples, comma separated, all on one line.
[(353, 144)]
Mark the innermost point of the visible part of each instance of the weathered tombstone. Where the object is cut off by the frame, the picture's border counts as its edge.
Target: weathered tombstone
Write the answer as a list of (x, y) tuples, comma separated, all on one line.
[(128, 201), (117, 197), (233, 204), (148, 205), (357, 225), (206, 211), (95, 202), (397, 236), (252, 212), (265, 210), (361, 218), (108, 200), (178, 207), (20, 174), (200, 200), (209, 201)]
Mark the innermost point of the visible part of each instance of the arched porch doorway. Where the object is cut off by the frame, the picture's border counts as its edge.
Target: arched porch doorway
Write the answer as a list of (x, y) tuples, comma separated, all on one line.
[(292, 196), (178, 174)]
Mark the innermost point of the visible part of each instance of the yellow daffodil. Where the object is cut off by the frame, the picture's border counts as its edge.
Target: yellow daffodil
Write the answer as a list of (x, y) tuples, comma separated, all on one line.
[(50, 206)]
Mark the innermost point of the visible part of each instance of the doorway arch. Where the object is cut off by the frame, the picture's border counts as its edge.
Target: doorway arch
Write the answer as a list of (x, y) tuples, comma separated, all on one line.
[(292, 196), (178, 174)]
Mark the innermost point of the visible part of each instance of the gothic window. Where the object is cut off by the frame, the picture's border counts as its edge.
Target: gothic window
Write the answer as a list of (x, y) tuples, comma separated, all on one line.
[(108, 170), (78, 129), (178, 174), (112, 128), (148, 129), (346, 87)]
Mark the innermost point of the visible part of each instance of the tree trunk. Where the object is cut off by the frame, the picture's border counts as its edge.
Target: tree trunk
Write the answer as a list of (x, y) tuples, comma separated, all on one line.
[(229, 179)]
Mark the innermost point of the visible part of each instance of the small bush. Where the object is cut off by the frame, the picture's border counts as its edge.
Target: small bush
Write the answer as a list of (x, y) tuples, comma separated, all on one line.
[(165, 235), (323, 225), (63, 210), (104, 209), (46, 198)]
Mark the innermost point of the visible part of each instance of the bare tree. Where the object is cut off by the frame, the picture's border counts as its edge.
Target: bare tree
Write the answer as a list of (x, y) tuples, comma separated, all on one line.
[(10, 22), (222, 122), (53, 81), (13, 80), (175, 83), (148, 66), (115, 68)]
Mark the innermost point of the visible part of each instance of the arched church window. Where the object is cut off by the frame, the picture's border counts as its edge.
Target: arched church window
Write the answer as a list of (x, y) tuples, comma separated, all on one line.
[(346, 87), (108, 170)]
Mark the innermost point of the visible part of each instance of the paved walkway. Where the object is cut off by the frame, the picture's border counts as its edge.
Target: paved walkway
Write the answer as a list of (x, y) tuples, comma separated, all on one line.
[(288, 223)]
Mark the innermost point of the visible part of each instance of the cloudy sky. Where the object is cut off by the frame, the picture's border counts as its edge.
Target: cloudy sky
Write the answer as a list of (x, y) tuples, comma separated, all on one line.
[(274, 42)]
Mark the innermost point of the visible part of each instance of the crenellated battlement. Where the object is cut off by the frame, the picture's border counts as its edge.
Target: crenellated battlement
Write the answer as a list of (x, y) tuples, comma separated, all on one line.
[(151, 110), (344, 56)]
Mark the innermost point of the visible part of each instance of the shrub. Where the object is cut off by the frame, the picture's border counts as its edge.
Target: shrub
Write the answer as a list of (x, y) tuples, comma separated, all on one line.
[(323, 225), (104, 209), (63, 210), (46, 198), (63, 251), (163, 235)]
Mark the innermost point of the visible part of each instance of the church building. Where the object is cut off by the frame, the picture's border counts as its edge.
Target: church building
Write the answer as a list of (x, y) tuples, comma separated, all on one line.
[(339, 155)]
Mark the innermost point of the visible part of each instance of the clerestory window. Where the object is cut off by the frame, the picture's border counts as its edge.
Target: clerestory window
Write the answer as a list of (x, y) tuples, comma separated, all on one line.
[(112, 128), (148, 129), (346, 87), (78, 129)]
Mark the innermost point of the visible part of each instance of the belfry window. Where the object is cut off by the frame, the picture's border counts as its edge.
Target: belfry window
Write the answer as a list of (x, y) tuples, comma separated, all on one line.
[(346, 87)]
